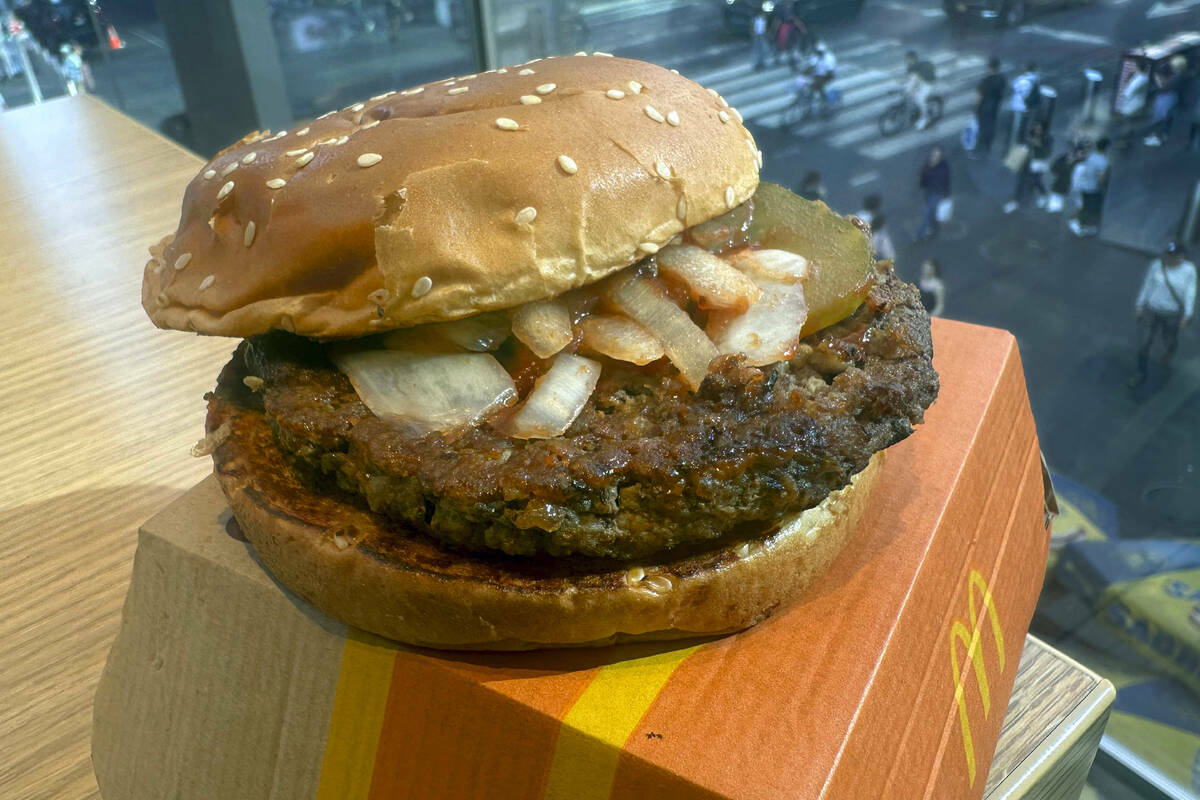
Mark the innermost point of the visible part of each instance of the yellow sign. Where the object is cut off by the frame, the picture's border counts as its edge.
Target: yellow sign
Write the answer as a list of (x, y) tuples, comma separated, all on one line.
[(972, 640)]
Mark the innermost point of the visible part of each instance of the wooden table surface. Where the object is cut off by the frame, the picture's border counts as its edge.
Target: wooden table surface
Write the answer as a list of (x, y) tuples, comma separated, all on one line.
[(99, 410)]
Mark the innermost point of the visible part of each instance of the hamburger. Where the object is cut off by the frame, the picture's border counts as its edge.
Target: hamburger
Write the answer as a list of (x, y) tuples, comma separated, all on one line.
[(531, 359)]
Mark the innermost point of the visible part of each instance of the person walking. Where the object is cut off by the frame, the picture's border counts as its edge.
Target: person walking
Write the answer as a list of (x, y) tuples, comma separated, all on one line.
[(1088, 179), (1168, 81), (1061, 170), (988, 96), (920, 77), (1036, 163), (882, 239), (1164, 306), (1022, 104), (935, 183), (932, 288), (1130, 102), (758, 40)]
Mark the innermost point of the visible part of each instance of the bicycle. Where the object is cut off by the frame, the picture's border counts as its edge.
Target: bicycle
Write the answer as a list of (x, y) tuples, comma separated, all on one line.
[(808, 103), (903, 113)]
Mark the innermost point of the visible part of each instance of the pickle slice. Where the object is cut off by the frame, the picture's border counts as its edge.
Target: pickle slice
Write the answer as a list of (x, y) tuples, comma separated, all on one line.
[(839, 254)]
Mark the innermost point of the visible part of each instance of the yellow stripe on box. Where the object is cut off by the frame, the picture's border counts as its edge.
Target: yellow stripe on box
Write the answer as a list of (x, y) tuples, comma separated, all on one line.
[(358, 711), (602, 719)]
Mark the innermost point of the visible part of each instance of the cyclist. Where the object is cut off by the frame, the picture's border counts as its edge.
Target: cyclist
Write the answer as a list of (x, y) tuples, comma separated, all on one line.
[(919, 79), (823, 64)]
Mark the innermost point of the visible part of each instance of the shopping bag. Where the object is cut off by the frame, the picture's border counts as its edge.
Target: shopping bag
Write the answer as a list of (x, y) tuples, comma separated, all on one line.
[(945, 209), (1016, 157), (970, 134)]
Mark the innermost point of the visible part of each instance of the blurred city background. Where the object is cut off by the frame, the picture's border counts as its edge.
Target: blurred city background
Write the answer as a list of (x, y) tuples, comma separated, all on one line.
[(1068, 160)]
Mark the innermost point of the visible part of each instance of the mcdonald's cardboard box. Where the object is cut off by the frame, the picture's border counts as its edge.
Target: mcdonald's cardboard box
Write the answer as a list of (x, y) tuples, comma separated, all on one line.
[(888, 680)]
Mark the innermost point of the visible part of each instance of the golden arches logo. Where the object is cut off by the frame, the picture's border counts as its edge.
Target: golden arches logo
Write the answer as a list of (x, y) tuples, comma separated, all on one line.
[(972, 640)]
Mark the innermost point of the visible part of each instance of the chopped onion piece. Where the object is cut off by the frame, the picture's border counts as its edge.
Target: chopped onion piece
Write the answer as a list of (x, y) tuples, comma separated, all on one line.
[(710, 281), (769, 331), (619, 338), (777, 266), (556, 399), (479, 333), (544, 326), (431, 392), (685, 344)]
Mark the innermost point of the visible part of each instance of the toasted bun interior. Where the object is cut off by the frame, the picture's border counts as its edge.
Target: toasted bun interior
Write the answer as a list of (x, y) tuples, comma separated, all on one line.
[(348, 563), (475, 193)]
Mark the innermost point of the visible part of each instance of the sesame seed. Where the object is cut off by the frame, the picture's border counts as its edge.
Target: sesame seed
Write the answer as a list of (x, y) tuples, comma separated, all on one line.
[(581, 53), (248, 236), (604, 55), (342, 140), (357, 107), (635, 575), (207, 282), (371, 124), (568, 165), (526, 215), (459, 90), (654, 114), (673, 118), (648, 247), (450, 82), (330, 140), (249, 157), (729, 196), (681, 208), (183, 260), (228, 169), (369, 159), (504, 123), (758, 157), (724, 117), (525, 71), (422, 286), (224, 190), (546, 88), (304, 159), (735, 113), (713, 92), (615, 94), (276, 183), (297, 152), (381, 96), (502, 70), (379, 296), (635, 87), (662, 169), (469, 77), (253, 382), (417, 90), (724, 103), (327, 114), (675, 71), (530, 99), (209, 174)]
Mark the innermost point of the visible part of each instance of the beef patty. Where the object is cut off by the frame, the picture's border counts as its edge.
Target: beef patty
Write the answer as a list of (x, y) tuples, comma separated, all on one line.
[(646, 466)]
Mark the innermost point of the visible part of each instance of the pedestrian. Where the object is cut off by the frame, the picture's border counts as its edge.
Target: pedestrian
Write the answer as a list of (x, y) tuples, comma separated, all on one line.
[(1088, 179), (1131, 101), (988, 96), (919, 80), (935, 183), (882, 239), (871, 205), (1060, 176), (1039, 144), (811, 186), (933, 290), (758, 40), (1164, 306), (75, 70), (1168, 81), (1022, 104)]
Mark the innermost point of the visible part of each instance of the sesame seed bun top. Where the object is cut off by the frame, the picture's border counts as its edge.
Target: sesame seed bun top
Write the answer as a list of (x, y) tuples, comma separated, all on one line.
[(465, 195)]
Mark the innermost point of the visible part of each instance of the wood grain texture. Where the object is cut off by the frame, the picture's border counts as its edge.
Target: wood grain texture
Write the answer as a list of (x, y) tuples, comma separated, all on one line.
[(1056, 716), (98, 410)]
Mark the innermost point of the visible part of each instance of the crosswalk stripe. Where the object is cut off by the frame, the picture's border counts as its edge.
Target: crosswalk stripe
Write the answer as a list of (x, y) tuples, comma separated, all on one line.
[(908, 141)]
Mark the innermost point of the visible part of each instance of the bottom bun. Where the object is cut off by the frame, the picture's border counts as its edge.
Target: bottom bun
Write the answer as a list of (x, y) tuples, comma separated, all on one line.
[(353, 565)]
